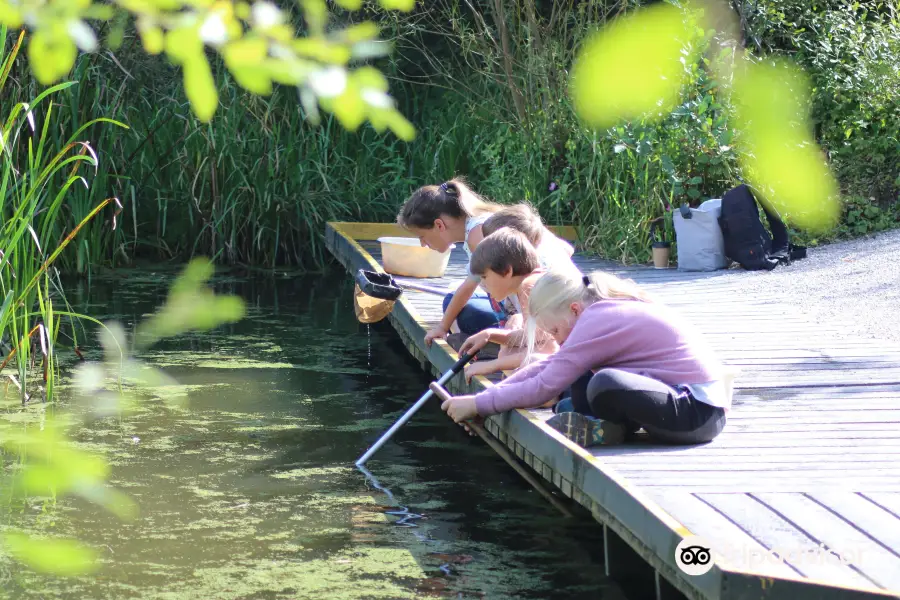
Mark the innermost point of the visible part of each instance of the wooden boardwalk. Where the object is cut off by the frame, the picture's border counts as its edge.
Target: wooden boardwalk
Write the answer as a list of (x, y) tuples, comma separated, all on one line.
[(807, 467)]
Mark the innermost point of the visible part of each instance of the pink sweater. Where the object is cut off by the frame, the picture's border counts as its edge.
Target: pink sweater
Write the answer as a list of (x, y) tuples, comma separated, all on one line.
[(639, 337)]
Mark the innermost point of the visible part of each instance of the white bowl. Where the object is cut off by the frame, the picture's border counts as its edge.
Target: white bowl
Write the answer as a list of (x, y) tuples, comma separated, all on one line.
[(408, 257)]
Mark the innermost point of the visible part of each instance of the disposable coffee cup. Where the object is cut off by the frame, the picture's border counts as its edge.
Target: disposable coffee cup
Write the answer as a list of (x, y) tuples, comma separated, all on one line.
[(661, 252)]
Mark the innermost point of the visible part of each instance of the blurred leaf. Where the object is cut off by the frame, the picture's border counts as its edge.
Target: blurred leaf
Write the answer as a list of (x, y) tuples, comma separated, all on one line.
[(119, 504), (153, 39), (99, 12), (51, 54), (56, 556), (244, 58), (322, 50), (230, 309), (290, 72), (316, 14), (183, 43), (253, 79), (401, 5), (10, 15), (115, 35), (370, 77), (349, 108), (196, 273), (80, 467), (190, 306), (83, 35), (631, 68), (780, 157), (372, 49), (360, 32), (200, 87), (349, 4), (41, 480), (402, 128)]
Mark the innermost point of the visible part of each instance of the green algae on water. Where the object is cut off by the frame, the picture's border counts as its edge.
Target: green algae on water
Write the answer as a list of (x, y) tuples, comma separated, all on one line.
[(248, 490)]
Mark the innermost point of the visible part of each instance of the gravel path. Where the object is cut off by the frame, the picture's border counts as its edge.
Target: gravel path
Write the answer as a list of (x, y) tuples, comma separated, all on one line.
[(856, 283)]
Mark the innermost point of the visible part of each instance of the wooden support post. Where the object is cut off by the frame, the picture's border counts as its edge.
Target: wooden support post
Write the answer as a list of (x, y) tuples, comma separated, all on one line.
[(665, 590), (626, 567)]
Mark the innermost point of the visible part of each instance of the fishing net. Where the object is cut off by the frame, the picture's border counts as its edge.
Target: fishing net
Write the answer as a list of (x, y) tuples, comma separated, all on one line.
[(369, 309)]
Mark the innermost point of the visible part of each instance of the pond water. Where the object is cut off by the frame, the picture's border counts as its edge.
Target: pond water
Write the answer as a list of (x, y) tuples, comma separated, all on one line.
[(250, 492)]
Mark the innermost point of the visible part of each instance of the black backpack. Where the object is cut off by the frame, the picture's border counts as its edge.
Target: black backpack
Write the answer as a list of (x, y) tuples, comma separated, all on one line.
[(746, 240)]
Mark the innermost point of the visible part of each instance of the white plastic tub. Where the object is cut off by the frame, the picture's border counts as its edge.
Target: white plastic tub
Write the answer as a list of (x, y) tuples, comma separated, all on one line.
[(407, 257)]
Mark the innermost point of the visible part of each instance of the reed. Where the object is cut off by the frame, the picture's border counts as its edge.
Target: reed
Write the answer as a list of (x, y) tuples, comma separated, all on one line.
[(256, 184), (38, 172)]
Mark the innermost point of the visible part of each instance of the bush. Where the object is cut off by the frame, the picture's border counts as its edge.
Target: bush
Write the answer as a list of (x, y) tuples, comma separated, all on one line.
[(852, 52), (488, 92)]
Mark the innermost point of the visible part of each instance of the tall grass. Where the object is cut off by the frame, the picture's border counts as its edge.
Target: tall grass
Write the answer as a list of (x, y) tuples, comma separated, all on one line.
[(37, 174), (257, 184)]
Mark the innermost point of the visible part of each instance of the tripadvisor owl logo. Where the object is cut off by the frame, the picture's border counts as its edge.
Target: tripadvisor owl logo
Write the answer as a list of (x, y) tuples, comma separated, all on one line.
[(693, 556)]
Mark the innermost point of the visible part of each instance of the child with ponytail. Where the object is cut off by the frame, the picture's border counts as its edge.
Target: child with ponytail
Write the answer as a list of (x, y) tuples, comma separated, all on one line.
[(441, 215)]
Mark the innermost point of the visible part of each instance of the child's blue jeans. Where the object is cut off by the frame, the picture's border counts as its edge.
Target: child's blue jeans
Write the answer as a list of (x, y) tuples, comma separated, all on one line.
[(477, 315), (565, 405)]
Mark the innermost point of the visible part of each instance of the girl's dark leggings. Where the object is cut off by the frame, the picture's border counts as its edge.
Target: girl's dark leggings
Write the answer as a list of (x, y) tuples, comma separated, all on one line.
[(668, 415)]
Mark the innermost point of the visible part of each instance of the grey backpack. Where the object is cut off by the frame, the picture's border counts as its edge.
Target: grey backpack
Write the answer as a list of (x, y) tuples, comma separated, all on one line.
[(698, 237)]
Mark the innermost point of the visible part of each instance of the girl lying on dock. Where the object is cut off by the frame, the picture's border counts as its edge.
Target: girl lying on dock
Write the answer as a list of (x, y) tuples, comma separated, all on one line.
[(626, 362), (441, 215), (509, 267)]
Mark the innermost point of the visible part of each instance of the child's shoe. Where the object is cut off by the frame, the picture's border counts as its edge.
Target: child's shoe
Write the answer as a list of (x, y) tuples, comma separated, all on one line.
[(586, 431)]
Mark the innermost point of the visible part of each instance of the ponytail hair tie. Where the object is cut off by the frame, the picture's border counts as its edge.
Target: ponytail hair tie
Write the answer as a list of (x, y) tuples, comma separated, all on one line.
[(443, 187), (586, 280)]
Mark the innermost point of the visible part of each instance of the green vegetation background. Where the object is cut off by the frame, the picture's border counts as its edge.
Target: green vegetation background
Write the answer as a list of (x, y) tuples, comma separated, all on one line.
[(485, 83)]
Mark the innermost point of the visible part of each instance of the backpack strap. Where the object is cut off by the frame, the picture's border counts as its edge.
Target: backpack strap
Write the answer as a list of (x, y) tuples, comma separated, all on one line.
[(780, 243)]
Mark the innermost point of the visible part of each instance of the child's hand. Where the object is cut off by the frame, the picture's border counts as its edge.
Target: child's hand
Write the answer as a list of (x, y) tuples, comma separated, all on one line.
[(436, 332), (479, 368), (456, 406), (460, 408), (465, 425), (476, 342)]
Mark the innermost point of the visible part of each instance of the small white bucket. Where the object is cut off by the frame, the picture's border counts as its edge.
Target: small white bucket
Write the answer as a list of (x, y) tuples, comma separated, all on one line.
[(407, 257)]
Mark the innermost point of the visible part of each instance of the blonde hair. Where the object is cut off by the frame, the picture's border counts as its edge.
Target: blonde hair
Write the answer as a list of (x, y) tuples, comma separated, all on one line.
[(557, 290), (503, 250), (452, 198), (521, 217)]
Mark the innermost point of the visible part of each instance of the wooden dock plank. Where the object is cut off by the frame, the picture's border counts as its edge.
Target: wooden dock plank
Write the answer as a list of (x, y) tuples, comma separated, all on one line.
[(874, 561), (773, 456), (816, 406), (887, 501), (776, 533), (720, 532), (867, 516), (887, 465)]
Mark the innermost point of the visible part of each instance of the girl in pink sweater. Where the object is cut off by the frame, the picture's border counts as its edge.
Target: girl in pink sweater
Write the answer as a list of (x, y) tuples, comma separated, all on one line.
[(625, 363)]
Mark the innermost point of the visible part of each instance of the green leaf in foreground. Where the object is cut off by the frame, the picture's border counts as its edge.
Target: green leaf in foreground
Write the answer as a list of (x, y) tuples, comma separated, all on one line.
[(51, 55), (631, 68), (191, 306), (780, 157), (200, 87), (57, 556), (401, 5)]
